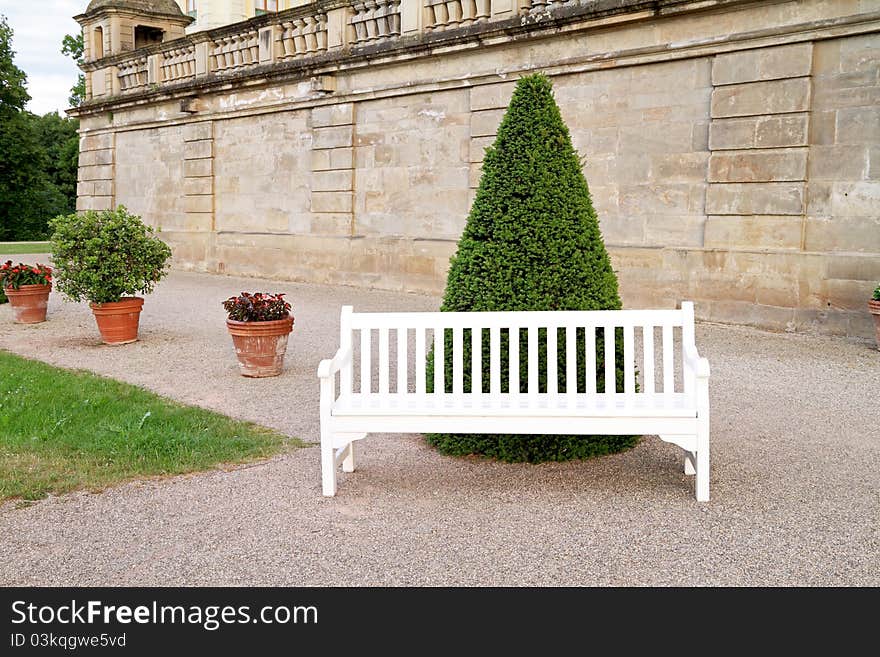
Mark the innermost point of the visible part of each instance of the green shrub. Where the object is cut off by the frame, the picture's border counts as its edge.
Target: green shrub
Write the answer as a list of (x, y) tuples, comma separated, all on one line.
[(104, 256), (531, 242), (3, 298), (877, 293)]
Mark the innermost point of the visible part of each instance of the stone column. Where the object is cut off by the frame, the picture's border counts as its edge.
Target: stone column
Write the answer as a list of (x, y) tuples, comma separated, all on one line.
[(333, 169), (198, 175)]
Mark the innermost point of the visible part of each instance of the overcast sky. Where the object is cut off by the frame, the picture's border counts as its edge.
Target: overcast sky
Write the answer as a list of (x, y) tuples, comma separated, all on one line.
[(39, 27)]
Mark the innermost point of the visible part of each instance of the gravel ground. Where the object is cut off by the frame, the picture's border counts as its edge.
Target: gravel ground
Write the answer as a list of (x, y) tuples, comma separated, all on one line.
[(795, 474)]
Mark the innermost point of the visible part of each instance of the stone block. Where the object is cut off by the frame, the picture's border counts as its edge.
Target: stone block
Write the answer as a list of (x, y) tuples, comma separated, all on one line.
[(198, 204), (198, 221), (671, 138), (858, 125), (96, 142), (838, 163), (753, 232), (782, 131), (103, 188), (491, 96), (321, 159), (485, 122), (757, 98), (342, 158), (326, 223), (852, 267), (788, 61), (85, 188), (104, 172), (478, 147), (674, 230), (679, 167), (758, 165), (840, 233), (198, 131), (334, 202), (194, 150), (727, 134), (856, 199), (88, 158), (475, 173), (332, 181), (197, 168), (781, 198), (327, 116), (194, 186), (700, 140), (653, 199), (873, 163), (335, 137)]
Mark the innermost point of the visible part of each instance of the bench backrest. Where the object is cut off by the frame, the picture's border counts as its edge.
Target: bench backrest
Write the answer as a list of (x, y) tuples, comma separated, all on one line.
[(393, 350)]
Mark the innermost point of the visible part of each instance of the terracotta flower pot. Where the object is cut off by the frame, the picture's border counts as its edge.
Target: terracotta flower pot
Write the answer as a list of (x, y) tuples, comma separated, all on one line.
[(118, 321), (874, 307), (29, 303), (260, 346)]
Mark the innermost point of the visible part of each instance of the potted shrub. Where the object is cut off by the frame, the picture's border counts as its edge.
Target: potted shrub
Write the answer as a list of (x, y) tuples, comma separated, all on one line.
[(27, 287), (107, 258), (259, 324), (874, 307)]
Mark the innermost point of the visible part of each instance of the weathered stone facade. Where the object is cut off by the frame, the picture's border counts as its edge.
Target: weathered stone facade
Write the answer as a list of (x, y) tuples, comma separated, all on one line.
[(732, 148)]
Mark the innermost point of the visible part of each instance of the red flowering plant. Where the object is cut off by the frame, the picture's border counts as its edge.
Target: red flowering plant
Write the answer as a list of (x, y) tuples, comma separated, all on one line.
[(15, 276), (257, 307)]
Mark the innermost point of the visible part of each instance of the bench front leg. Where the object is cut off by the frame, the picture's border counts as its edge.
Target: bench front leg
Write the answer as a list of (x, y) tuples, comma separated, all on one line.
[(328, 454), (703, 462)]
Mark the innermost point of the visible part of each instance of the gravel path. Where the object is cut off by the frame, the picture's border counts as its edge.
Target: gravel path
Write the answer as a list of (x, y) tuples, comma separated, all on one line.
[(795, 474)]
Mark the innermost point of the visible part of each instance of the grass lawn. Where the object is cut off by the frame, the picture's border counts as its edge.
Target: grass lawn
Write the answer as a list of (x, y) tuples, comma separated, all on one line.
[(13, 248), (61, 430)]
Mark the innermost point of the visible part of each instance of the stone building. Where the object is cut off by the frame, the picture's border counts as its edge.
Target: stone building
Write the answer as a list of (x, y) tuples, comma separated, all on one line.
[(732, 147)]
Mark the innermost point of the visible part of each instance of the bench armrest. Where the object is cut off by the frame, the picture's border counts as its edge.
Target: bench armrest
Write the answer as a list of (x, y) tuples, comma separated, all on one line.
[(699, 365), (331, 366)]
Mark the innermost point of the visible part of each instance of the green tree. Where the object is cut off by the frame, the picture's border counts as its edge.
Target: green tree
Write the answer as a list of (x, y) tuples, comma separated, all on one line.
[(60, 141), (72, 46), (27, 196), (532, 242)]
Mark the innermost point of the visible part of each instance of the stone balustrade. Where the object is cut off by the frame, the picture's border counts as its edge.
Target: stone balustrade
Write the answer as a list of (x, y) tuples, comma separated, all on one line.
[(376, 19), (447, 14), (132, 74), (235, 52), (178, 64), (294, 34), (303, 36)]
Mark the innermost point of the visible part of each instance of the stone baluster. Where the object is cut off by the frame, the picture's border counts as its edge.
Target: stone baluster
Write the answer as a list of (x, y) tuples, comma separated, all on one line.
[(299, 39), (370, 20), (453, 8), (468, 11), (394, 17), (483, 7), (321, 28), (254, 45), (311, 39), (381, 15), (287, 39)]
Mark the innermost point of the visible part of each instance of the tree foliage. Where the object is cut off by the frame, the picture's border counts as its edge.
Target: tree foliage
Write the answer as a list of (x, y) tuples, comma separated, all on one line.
[(38, 156), (72, 46), (532, 242)]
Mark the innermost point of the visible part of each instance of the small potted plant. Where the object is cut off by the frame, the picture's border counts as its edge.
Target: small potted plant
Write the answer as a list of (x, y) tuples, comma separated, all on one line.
[(107, 258), (259, 324), (27, 287), (874, 307)]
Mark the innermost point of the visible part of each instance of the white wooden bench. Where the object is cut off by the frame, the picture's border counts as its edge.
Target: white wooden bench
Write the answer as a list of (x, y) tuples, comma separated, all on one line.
[(392, 394)]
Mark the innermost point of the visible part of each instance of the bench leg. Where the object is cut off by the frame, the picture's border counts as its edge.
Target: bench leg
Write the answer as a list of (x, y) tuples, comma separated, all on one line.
[(328, 464), (702, 483), (348, 461), (689, 468)]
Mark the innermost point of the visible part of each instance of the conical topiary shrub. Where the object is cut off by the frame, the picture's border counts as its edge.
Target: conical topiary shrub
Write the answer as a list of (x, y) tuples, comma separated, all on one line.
[(531, 242)]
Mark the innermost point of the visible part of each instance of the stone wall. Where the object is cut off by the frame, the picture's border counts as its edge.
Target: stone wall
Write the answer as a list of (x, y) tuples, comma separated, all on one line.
[(733, 155)]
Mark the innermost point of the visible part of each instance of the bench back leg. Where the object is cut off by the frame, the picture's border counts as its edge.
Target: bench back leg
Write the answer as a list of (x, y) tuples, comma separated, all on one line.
[(348, 461), (328, 463), (689, 466)]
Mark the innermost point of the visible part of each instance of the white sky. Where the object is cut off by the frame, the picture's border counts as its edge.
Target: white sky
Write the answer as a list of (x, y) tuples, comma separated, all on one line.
[(39, 27)]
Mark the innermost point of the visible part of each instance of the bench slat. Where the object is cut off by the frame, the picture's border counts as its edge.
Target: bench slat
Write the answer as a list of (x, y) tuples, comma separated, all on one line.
[(648, 349), (610, 357), (495, 360), (552, 361), (590, 358), (457, 361), (366, 369), (570, 360), (439, 361), (668, 372), (533, 360), (513, 374), (421, 356), (521, 319), (476, 361), (629, 375), (383, 361), (402, 365)]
